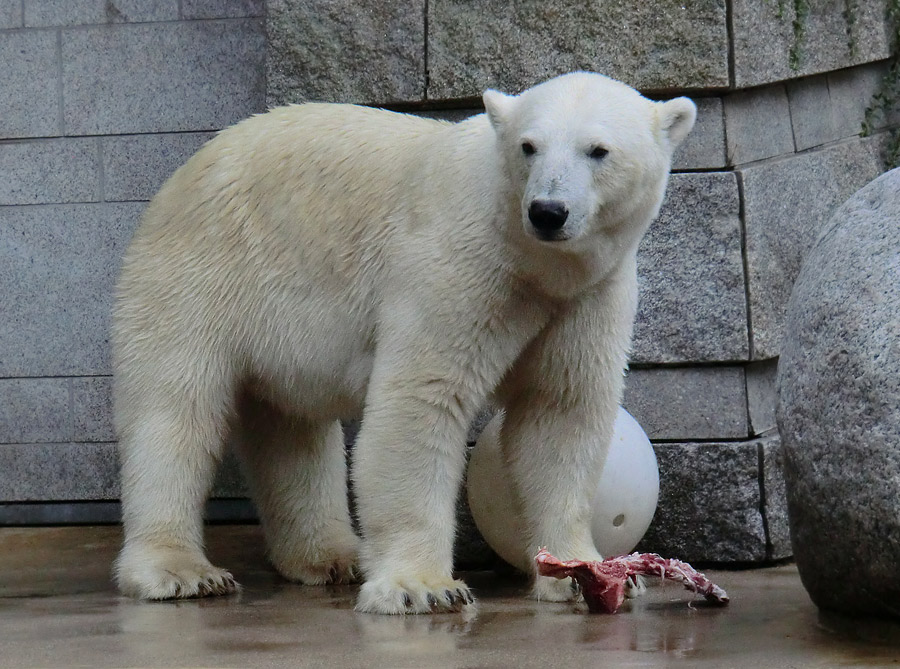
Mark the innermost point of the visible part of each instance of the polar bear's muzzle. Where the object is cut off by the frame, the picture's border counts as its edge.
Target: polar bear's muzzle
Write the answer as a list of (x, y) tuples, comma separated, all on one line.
[(548, 218)]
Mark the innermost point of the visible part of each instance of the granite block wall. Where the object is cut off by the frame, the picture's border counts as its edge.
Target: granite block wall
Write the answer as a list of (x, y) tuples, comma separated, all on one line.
[(100, 101), (776, 148)]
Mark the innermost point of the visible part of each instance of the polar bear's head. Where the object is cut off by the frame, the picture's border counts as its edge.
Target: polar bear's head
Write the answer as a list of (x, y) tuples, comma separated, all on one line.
[(588, 155)]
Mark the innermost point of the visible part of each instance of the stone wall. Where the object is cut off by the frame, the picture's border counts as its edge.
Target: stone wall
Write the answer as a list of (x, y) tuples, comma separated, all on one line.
[(99, 102), (776, 148)]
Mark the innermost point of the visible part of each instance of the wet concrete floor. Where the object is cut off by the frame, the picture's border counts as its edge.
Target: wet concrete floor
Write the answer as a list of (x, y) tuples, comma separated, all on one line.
[(58, 608)]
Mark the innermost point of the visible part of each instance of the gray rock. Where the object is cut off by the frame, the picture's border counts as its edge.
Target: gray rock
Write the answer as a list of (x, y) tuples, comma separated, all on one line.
[(851, 92), (775, 507), (92, 409), (214, 9), (43, 171), (511, 46), (704, 147), (692, 303), (10, 14), (47, 13), (58, 265), (812, 115), (34, 410), (173, 76), (832, 106), (345, 51), (839, 406), (763, 38), (135, 166), (761, 395), (29, 79), (58, 472), (786, 202), (709, 503), (685, 403), (758, 125)]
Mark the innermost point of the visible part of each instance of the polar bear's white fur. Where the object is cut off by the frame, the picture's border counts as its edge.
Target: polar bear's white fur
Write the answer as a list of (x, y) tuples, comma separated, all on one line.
[(322, 262)]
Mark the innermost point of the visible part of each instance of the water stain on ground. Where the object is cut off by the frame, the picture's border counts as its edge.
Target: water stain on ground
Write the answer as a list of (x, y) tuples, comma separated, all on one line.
[(58, 607)]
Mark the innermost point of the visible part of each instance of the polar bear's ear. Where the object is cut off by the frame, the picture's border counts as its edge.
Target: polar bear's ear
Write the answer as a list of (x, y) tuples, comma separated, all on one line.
[(497, 105), (676, 118)]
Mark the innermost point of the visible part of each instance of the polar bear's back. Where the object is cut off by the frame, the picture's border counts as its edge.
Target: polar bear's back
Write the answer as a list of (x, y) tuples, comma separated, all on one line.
[(315, 159), (273, 236), (301, 180)]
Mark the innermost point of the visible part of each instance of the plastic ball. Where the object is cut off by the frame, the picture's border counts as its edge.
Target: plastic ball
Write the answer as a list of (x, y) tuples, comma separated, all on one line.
[(623, 505)]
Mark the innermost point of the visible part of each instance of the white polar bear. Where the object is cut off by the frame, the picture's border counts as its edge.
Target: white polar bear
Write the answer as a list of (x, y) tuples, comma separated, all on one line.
[(321, 262)]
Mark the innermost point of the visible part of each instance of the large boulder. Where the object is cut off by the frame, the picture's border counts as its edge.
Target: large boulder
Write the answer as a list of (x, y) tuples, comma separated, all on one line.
[(839, 407)]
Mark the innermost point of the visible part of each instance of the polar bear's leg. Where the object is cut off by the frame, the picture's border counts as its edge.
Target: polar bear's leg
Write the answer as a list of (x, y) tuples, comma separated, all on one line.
[(559, 419), (407, 469), (168, 457), (298, 474)]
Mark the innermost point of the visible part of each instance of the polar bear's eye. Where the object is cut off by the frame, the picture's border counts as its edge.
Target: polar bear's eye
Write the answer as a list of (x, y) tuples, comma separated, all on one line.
[(528, 148), (598, 153)]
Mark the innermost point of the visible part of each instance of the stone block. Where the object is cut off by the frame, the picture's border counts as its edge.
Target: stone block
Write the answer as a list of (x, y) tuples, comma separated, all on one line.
[(704, 147), (709, 503), (92, 409), (58, 265), (58, 472), (10, 14), (764, 38), (214, 9), (46, 13), (758, 125), (851, 92), (135, 166), (839, 393), (345, 51), (688, 403), (761, 395), (29, 79), (775, 507), (34, 410), (137, 78), (45, 171), (812, 115), (511, 46), (832, 106), (692, 303), (786, 202)]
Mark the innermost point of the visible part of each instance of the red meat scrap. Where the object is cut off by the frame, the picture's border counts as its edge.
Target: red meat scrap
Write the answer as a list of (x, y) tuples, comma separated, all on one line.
[(603, 583)]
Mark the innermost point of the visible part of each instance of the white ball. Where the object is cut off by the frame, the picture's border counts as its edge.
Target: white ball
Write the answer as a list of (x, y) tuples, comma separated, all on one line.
[(624, 504)]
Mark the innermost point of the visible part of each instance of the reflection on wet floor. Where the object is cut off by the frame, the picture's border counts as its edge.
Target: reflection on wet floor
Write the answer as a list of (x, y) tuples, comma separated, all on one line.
[(58, 608)]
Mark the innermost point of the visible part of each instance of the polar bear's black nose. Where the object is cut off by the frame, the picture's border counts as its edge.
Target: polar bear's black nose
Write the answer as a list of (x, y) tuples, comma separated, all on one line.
[(547, 215)]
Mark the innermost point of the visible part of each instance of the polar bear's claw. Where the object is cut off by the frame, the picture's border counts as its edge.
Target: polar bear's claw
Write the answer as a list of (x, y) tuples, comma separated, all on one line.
[(161, 574), (406, 596)]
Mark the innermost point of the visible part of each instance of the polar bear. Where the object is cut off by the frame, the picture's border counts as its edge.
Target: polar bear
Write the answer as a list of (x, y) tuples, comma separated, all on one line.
[(321, 262)]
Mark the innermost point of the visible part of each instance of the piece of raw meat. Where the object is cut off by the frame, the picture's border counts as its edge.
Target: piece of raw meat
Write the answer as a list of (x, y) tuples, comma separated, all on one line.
[(603, 583)]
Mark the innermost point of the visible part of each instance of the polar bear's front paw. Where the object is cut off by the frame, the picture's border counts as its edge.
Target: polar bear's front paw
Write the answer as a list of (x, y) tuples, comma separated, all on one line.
[(169, 573), (401, 596), (555, 590)]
